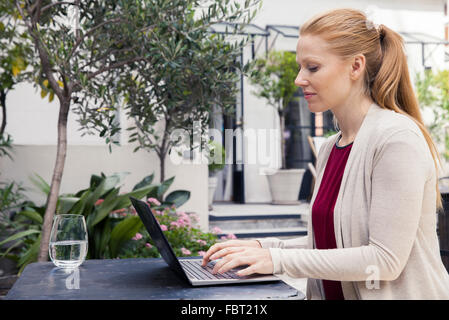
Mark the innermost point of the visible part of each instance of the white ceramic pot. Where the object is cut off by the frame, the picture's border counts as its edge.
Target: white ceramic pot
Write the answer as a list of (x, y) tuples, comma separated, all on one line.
[(285, 185), (212, 186)]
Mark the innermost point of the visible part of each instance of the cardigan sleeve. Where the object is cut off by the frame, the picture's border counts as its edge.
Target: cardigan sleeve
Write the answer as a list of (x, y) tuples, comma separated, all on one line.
[(400, 171), (296, 243)]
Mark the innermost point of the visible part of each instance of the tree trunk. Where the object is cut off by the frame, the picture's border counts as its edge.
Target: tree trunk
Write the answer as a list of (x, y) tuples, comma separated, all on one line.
[(163, 152), (56, 179), (162, 166), (3, 105)]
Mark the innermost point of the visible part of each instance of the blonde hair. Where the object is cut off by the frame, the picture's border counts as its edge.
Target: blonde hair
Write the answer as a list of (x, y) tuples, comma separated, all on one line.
[(348, 32)]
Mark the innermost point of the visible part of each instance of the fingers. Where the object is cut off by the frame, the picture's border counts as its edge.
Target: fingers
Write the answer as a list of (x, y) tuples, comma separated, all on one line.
[(256, 260), (211, 251), (230, 262), (217, 247), (248, 271), (224, 252)]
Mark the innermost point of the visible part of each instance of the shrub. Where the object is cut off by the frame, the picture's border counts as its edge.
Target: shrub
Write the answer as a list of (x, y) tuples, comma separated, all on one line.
[(180, 229)]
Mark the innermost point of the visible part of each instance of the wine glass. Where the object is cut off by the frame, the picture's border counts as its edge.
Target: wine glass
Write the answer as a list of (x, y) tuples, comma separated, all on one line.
[(68, 241)]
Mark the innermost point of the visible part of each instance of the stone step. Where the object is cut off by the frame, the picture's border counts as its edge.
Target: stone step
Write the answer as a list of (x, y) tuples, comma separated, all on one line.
[(256, 221), (230, 209), (282, 233), (259, 220)]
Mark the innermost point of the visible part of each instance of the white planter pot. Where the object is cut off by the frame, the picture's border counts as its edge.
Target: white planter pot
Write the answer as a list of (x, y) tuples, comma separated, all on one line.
[(285, 185), (212, 186)]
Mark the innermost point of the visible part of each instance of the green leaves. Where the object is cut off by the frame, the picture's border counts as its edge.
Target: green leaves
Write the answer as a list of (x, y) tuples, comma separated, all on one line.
[(190, 70), (18, 236), (163, 187), (274, 78), (433, 95), (177, 198), (122, 232), (144, 182)]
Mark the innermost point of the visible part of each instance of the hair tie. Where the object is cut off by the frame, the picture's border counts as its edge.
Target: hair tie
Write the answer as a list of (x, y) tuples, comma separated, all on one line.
[(381, 32)]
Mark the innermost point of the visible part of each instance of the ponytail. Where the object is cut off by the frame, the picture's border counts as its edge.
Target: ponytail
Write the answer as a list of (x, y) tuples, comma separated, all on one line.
[(392, 89)]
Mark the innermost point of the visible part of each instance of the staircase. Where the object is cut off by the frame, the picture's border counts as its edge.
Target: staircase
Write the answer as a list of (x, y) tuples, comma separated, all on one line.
[(250, 221)]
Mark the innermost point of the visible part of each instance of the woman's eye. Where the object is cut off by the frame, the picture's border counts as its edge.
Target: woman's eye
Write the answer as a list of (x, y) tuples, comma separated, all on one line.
[(311, 69)]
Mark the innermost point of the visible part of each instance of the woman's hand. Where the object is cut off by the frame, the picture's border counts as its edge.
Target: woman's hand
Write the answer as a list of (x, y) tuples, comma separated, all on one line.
[(236, 253)]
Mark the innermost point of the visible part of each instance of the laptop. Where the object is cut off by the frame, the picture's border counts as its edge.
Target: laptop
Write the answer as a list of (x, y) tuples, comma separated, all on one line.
[(190, 269)]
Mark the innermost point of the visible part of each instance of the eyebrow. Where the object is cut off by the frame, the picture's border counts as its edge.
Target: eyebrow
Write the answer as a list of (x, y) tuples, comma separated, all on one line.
[(307, 59)]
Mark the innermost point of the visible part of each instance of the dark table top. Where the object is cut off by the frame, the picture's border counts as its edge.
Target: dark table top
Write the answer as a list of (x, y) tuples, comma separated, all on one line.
[(133, 279)]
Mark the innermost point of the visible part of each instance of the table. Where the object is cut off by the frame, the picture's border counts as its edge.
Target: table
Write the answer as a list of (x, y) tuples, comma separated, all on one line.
[(132, 279)]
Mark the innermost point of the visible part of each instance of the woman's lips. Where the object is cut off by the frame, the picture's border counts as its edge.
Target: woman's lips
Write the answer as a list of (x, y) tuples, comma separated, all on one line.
[(309, 95)]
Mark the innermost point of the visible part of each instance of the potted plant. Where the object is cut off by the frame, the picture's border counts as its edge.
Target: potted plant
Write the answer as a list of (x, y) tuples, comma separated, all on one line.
[(274, 80), (216, 157)]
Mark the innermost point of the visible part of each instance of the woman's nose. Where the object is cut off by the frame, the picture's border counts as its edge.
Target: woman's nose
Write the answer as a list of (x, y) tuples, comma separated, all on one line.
[(300, 81)]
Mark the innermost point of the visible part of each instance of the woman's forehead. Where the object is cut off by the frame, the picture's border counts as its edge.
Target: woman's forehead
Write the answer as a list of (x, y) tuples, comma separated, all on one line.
[(311, 48)]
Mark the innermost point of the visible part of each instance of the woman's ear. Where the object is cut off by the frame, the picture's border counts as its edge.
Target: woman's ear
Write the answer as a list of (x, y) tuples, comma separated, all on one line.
[(358, 66)]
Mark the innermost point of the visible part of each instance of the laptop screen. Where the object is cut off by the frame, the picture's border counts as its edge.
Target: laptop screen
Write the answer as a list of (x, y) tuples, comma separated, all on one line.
[(156, 233)]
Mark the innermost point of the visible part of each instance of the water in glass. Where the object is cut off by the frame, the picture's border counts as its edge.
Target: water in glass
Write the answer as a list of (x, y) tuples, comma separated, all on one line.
[(68, 241)]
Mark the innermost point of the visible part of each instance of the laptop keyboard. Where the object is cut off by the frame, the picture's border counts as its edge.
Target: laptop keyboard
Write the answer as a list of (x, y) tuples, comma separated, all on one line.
[(196, 271)]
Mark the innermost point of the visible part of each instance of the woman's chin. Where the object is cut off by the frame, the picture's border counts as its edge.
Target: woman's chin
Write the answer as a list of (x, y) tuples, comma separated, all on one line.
[(316, 107)]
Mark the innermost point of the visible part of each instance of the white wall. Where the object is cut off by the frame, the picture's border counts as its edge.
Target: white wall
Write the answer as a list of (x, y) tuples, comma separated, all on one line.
[(83, 161)]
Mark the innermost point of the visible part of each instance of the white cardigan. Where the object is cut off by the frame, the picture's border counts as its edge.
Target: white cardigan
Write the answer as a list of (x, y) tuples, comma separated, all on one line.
[(384, 219)]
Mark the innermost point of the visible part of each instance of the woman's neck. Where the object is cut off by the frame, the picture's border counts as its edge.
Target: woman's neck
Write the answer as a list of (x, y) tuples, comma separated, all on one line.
[(350, 117)]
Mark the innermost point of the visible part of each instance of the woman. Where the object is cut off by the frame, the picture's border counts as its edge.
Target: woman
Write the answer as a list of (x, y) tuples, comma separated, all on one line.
[(372, 229)]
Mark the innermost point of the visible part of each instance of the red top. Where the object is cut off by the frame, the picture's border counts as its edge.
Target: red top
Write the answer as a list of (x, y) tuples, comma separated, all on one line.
[(323, 210)]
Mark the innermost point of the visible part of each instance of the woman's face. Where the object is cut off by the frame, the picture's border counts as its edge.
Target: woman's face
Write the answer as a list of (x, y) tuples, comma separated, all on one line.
[(322, 74)]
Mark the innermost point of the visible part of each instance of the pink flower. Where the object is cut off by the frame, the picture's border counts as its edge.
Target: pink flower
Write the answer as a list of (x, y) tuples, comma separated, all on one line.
[(174, 224), (185, 251), (138, 236), (228, 236), (184, 219), (99, 201), (148, 245), (201, 242), (164, 227), (216, 230), (202, 253), (159, 213), (154, 201)]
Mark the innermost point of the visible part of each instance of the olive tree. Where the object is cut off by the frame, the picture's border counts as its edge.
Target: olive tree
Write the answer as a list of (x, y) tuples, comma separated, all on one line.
[(80, 48), (189, 72)]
